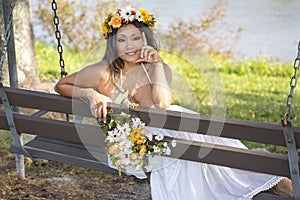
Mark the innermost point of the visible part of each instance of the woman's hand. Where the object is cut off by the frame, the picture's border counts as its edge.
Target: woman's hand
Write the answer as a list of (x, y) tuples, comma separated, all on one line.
[(98, 105), (148, 53)]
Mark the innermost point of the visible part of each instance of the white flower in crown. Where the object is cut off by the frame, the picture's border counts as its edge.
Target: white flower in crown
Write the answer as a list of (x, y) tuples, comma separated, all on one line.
[(128, 14), (139, 16)]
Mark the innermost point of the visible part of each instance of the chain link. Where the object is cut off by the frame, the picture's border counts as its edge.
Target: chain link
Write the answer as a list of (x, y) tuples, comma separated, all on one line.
[(293, 83), (58, 37), (6, 39)]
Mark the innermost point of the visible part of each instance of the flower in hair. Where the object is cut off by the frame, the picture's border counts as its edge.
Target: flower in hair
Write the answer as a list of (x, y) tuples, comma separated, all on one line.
[(128, 14), (124, 16)]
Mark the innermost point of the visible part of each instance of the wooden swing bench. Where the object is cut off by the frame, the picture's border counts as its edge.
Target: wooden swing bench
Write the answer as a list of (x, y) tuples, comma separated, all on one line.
[(58, 140)]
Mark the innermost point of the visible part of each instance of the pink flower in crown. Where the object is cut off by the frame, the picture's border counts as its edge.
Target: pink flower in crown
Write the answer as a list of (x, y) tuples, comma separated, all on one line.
[(128, 14)]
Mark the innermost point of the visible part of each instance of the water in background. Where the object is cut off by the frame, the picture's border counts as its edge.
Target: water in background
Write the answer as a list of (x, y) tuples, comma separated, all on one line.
[(270, 27)]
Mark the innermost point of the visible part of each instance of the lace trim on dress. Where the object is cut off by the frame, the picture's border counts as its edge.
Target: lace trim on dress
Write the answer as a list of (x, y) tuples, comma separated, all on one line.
[(274, 181)]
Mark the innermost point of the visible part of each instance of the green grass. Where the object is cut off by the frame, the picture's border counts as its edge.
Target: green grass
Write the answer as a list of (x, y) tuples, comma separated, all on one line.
[(49, 64), (5, 139)]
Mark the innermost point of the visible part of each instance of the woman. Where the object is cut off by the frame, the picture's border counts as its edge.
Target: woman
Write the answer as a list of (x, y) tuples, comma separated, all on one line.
[(132, 63)]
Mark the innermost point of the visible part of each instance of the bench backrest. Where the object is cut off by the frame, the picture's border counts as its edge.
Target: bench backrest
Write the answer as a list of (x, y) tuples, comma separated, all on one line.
[(247, 159)]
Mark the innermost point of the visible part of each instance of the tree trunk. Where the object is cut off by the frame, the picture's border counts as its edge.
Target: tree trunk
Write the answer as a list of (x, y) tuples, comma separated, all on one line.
[(24, 45)]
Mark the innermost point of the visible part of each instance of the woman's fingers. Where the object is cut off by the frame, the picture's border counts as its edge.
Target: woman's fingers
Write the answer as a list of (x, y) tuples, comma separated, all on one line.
[(104, 111), (99, 113), (144, 44), (148, 54), (144, 39), (99, 106)]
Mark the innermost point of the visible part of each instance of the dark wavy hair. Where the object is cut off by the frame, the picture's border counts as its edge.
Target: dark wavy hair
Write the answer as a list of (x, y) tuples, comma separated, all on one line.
[(111, 55)]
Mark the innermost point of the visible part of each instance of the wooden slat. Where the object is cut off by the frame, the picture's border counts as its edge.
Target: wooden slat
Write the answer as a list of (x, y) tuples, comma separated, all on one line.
[(65, 153), (55, 129), (243, 130), (46, 101), (268, 196), (245, 159), (231, 128)]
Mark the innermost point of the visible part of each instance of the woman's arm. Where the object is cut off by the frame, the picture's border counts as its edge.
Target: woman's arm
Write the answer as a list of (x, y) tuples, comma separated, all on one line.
[(82, 84), (161, 77), (159, 93), (161, 85)]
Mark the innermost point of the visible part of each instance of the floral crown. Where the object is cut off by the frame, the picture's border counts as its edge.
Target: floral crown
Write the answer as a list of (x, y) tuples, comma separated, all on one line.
[(124, 16)]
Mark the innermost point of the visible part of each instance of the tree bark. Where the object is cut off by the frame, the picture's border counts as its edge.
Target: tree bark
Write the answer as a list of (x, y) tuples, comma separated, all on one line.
[(24, 45)]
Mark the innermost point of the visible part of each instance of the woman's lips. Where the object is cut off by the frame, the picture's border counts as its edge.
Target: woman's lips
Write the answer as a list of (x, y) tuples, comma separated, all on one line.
[(131, 53)]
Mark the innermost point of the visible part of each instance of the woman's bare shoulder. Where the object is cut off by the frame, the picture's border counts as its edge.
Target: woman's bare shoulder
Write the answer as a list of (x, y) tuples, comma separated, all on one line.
[(102, 65), (96, 69)]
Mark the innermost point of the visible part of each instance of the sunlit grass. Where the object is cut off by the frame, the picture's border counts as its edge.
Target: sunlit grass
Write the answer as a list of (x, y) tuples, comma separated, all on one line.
[(48, 60), (5, 139)]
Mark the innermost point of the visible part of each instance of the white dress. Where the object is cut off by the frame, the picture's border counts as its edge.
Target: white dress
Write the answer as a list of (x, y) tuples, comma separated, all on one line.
[(174, 179), (186, 180)]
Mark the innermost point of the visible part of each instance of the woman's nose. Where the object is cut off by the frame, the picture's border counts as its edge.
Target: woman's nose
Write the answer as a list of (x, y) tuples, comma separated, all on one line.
[(130, 44)]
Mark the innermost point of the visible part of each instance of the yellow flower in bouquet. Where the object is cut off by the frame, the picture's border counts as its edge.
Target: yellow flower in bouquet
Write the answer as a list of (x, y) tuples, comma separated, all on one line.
[(135, 134), (128, 142), (113, 149)]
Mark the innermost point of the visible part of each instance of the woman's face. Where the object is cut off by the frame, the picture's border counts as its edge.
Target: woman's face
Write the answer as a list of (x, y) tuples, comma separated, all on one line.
[(129, 42)]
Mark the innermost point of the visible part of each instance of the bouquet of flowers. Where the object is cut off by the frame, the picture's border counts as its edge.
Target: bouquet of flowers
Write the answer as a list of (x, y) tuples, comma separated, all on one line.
[(129, 144)]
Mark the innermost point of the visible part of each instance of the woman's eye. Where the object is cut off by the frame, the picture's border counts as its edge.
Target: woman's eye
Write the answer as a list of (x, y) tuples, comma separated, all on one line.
[(121, 40), (136, 38)]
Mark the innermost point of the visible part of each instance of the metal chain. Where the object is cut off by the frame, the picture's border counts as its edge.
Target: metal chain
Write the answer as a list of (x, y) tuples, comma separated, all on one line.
[(58, 37), (59, 46), (293, 83), (6, 38)]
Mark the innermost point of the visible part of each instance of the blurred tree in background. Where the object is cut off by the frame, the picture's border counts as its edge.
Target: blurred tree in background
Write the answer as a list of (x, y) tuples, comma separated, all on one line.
[(208, 31), (81, 23), (24, 44)]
